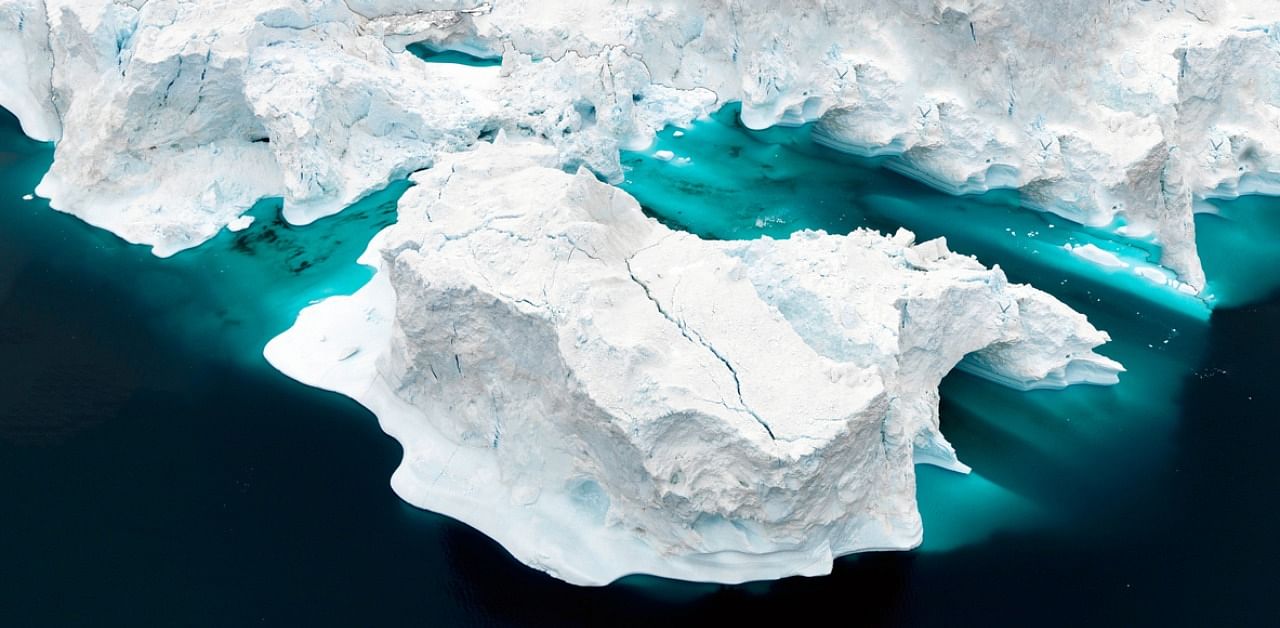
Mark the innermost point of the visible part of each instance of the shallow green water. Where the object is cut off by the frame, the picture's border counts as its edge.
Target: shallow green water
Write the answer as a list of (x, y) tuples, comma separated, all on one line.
[(1238, 249)]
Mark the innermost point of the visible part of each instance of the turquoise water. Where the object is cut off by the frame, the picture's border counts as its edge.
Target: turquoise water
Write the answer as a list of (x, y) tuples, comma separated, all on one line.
[(438, 55), (254, 282), (1238, 249), (230, 295), (156, 471), (728, 182)]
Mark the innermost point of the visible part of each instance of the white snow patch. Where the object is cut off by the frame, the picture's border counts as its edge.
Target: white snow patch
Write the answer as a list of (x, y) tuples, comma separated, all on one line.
[(240, 223)]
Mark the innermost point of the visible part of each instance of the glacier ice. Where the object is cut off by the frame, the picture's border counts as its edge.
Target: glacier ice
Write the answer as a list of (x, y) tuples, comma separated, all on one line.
[(174, 117), (605, 396)]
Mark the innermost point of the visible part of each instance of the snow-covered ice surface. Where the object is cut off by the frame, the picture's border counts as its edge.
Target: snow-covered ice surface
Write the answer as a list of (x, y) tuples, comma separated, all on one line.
[(641, 400), (605, 396), (174, 117)]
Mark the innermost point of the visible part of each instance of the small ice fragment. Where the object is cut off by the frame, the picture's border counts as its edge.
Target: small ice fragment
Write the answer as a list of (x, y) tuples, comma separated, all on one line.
[(27, 197), (664, 155), (240, 223), (678, 134), (1091, 252), (1152, 275)]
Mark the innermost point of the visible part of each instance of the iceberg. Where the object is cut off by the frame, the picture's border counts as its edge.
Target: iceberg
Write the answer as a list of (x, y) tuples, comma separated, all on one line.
[(606, 396), (174, 118)]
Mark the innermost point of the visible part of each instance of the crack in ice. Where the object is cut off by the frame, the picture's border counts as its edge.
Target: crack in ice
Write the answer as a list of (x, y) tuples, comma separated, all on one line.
[(697, 338)]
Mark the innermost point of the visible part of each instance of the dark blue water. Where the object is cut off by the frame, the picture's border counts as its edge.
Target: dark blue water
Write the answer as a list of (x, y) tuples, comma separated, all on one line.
[(155, 471)]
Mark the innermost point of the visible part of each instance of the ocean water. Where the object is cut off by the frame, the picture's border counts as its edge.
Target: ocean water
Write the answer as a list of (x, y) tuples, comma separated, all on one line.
[(154, 470), (1237, 244), (432, 54)]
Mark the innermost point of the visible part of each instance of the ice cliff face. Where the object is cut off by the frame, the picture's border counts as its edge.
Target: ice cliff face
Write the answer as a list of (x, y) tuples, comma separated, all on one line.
[(606, 396), (174, 117)]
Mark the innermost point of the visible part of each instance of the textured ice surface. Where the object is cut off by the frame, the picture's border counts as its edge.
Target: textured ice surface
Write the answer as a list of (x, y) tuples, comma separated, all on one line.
[(725, 181), (605, 396), (176, 116)]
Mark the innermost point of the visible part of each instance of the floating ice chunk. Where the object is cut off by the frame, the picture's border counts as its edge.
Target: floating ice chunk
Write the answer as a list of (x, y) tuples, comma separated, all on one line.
[(664, 155), (601, 395), (1140, 159), (240, 223), (1098, 256)]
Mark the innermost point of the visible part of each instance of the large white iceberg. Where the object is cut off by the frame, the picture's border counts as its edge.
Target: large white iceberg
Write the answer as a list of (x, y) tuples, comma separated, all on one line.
[(605, 396), (174, 117)]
